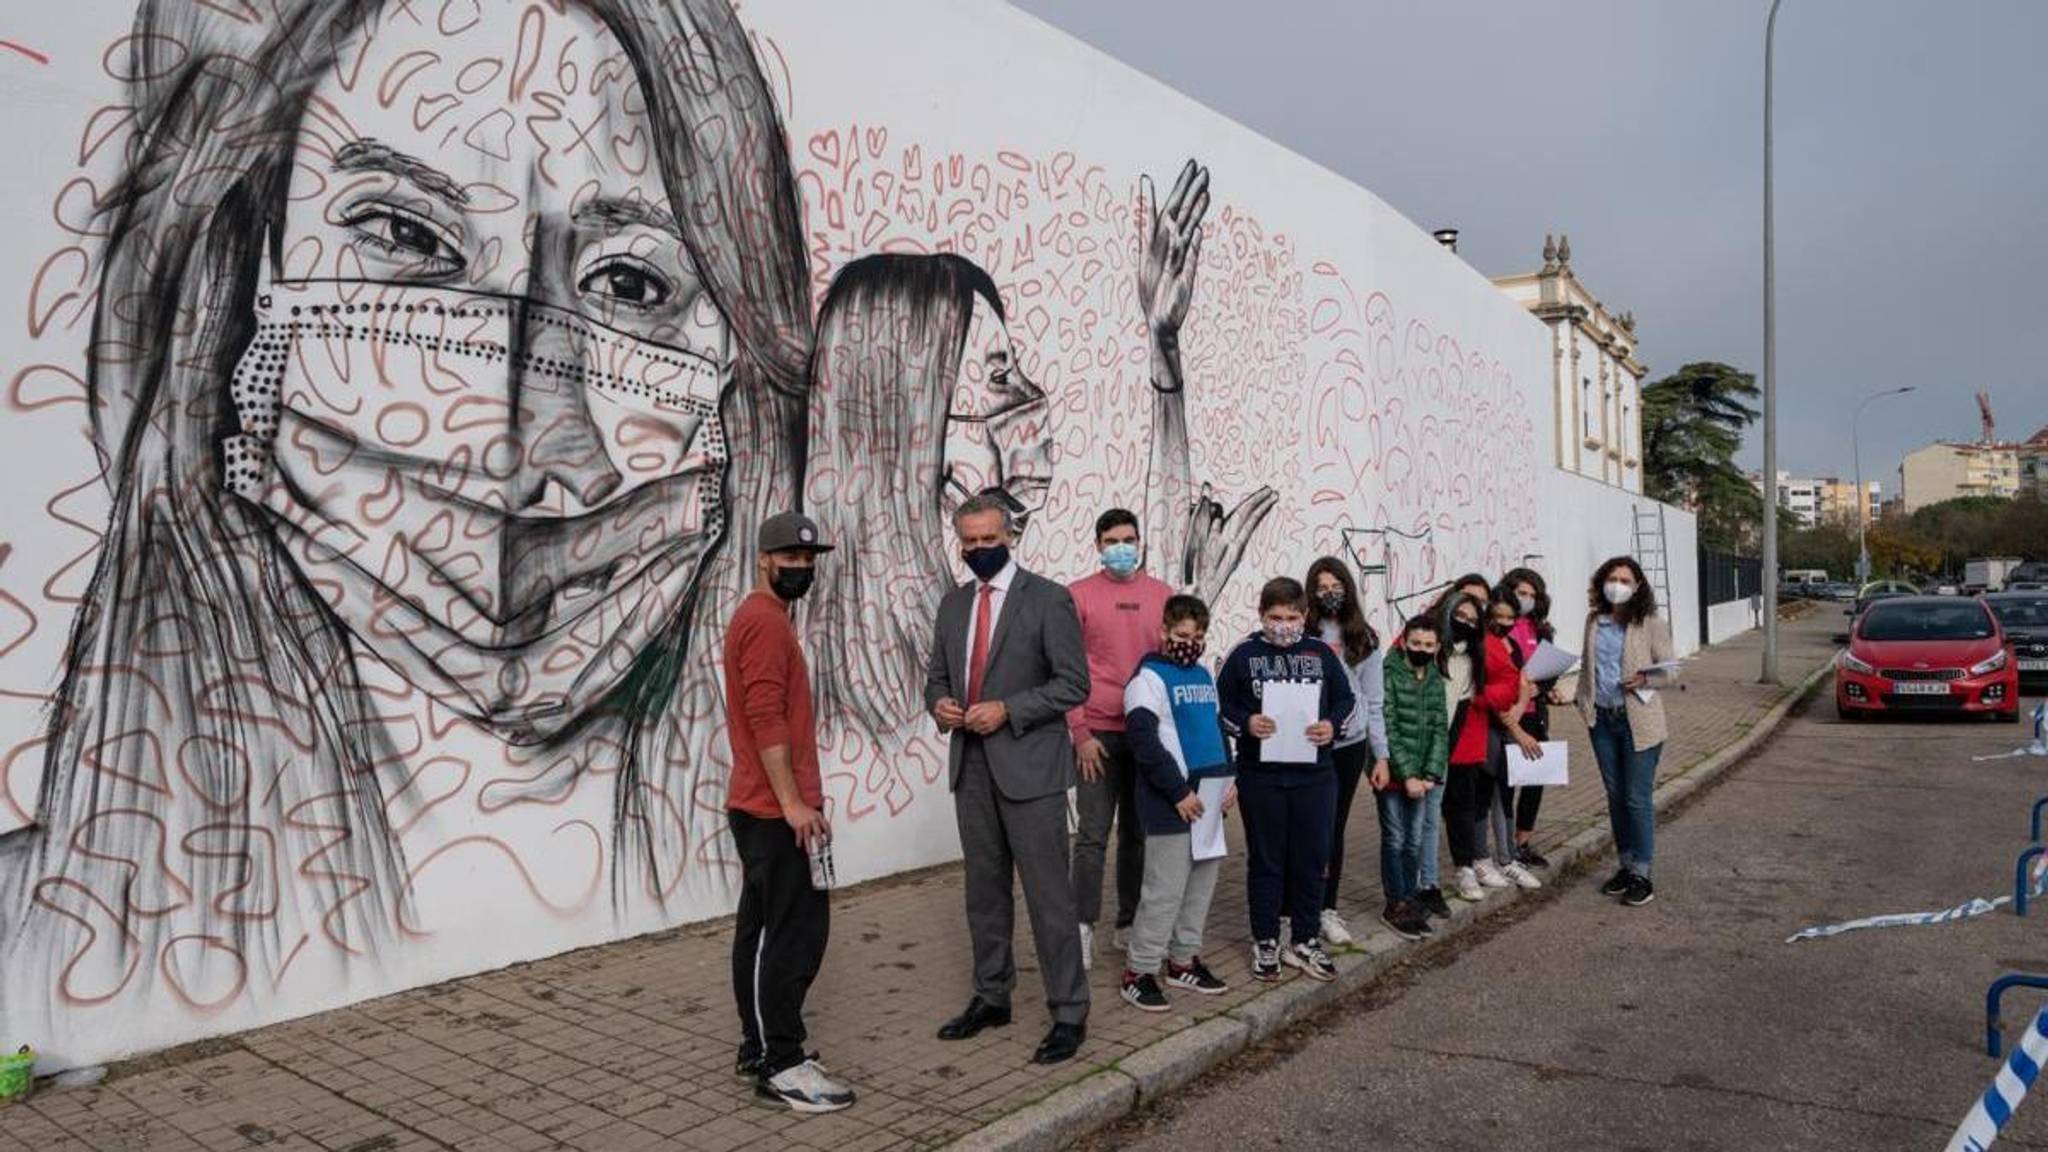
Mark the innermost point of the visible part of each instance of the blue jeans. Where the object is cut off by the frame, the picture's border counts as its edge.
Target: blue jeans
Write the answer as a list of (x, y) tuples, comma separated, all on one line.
[(1401, 841), (1429, 833), (1630, 776)]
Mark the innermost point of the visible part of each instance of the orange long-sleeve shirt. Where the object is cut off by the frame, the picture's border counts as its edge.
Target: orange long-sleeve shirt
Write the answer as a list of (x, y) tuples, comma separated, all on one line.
[(768, 702)]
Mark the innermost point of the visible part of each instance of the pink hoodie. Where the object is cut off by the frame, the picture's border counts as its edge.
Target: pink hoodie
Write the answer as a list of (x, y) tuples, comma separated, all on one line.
[(1119, 627)]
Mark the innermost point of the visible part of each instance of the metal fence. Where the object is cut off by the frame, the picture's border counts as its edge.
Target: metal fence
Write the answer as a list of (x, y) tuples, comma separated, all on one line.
[(1726, 577)]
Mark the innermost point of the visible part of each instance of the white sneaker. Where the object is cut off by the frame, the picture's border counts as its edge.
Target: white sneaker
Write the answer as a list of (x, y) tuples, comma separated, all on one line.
[(1467, 886), (1490, 875), (1087, 947), (806, 1088), (1522, 877), (1335, 931)]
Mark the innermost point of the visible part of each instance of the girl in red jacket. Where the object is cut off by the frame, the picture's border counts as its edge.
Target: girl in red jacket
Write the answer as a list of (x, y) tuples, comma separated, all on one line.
[(1484, 686)]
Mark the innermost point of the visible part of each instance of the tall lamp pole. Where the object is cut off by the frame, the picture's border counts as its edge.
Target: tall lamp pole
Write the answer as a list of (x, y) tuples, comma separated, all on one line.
[(1863, 499), (1770, 558)]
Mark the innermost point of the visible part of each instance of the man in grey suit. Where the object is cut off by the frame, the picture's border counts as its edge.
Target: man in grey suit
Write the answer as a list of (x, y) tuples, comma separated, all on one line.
[(1006, 667)]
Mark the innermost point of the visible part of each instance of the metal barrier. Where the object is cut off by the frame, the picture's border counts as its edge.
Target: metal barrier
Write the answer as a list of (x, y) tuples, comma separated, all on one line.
[(1993, 1032), (2019, 878), (2034, 823)]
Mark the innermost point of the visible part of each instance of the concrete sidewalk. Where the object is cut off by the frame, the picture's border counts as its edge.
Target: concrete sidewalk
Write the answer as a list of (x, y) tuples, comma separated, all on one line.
[(630, 1045)]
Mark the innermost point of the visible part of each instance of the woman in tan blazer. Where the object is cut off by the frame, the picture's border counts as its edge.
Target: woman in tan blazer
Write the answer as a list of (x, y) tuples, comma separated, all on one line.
[(1625, 664)]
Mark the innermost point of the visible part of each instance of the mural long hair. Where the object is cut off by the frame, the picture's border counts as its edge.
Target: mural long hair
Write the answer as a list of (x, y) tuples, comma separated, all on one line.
[(208, 690), (890, 337)]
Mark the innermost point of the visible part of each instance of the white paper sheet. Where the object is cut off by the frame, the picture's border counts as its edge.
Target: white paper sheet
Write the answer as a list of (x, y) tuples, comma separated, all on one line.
[(1550, 770), (1549, 662), (1205, 835), (1292, 706)]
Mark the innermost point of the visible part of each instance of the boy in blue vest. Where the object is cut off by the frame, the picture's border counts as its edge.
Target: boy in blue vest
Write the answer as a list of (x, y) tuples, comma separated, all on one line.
[(1176, 738)]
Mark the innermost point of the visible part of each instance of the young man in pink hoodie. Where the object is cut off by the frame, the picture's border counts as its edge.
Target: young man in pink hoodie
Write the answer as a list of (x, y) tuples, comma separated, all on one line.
[(1120, 609)]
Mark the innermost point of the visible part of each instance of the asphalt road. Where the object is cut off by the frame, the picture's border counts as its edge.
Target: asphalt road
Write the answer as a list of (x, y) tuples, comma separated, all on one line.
[(1691, 1024)]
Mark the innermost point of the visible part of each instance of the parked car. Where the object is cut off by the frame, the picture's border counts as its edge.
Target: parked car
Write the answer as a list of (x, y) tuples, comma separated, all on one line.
[(1841, 591), (2027, 586), (2024, 616), (1952, 590), (1916, 655), (1880, 590)]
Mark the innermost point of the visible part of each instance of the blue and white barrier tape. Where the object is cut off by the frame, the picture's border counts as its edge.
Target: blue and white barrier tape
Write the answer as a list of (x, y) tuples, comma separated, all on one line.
[(2038, 748), (1993, 1110), (1963, 911)]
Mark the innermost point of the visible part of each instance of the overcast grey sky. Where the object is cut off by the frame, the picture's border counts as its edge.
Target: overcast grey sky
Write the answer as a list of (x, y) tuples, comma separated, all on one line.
[(1912, 165)]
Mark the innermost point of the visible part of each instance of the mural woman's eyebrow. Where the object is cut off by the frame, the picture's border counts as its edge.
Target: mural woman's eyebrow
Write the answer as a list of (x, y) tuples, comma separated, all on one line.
[(368, 155), (614, 214)]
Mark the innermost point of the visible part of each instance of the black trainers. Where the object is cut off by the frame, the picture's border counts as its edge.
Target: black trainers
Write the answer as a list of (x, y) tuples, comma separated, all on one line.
[(1640, 892), (1530, 858), (1142, 992), (1195, 977), (1431, 901), (1401, 918), (1266, 960), (1617, 884)]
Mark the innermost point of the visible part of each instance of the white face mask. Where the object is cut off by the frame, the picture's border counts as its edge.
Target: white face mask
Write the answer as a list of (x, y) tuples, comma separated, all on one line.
[(1527, 604), (1618, 592), (513, 564)]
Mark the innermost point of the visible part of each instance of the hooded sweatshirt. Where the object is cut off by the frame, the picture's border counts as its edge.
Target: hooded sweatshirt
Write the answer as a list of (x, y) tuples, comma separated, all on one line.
[(1176, 738)]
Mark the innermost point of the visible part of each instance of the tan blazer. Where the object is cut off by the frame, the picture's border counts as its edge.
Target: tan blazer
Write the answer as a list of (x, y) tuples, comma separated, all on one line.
[(1642, 645)]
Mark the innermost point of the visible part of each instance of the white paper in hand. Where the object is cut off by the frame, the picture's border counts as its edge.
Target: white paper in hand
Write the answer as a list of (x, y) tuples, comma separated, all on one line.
[(1550, 770), (1205, 835), (1548, 662), (1293, 706)]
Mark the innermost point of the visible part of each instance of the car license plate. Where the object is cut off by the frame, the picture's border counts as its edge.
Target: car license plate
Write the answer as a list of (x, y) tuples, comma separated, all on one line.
[(1921, 688), (2034, 665)]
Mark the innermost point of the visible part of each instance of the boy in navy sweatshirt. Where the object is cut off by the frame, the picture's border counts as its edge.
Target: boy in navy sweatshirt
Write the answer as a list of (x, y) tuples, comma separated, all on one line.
[(1289, 808), (1176, 738)]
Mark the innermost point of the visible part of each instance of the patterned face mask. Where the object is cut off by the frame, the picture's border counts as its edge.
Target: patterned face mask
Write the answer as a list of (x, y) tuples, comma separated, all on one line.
[(505, 501), (1186, 653), (1283, 635)]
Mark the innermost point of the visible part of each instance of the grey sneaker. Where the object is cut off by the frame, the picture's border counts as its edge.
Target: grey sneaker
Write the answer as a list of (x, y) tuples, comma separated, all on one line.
[(1308, 955), (805, 1088), (1266, 960)]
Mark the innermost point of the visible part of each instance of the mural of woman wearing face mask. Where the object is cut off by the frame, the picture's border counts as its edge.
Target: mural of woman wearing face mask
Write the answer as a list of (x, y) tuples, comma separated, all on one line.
[(917, 402), (431, 385)]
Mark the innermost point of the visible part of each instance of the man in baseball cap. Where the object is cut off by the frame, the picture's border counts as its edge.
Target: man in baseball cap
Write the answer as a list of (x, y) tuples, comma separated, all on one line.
[(775, 805)]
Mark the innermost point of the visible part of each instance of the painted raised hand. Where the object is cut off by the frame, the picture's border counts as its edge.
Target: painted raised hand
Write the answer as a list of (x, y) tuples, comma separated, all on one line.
[(1172, 251), (1216, 539)]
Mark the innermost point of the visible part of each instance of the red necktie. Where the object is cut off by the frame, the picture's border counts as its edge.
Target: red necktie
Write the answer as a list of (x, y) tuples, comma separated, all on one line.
[(978, 660)]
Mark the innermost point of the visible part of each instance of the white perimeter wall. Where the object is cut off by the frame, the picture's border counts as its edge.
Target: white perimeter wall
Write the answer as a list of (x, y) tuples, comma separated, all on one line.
[(1335, 353), (1584, 522)]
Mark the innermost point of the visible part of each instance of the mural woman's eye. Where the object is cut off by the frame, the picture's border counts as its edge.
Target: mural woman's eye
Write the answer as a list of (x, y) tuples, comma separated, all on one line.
[(402, 236), (627, 282)]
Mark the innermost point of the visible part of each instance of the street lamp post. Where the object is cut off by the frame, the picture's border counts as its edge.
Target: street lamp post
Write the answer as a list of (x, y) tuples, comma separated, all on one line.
[(1862, 499), (1770, 549)]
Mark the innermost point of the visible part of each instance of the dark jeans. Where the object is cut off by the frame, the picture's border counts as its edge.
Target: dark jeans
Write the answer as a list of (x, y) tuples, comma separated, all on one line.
[(780, 941), (1468, 789), (1351, 760), (1111, 796), (1630, 776), (1401, 845), (1287, 831)]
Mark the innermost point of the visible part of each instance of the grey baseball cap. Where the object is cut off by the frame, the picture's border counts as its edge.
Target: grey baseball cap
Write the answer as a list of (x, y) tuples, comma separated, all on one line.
[(792, 532)]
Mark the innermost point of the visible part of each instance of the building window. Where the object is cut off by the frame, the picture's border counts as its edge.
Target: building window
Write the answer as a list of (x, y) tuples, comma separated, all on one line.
[(1586, 406)]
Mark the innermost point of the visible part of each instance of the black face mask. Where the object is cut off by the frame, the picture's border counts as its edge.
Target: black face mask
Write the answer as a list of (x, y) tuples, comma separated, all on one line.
[(1500, 629), (986, 563), (1464, 633), (790, 584), (1421, 659), (1331, 602)]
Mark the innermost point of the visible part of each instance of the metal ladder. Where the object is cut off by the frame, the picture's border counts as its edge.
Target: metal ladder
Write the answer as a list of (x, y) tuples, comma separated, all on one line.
[(1651, 554)]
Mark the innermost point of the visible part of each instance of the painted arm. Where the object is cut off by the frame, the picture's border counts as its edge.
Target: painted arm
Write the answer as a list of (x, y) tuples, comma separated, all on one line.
[(1197, 543)]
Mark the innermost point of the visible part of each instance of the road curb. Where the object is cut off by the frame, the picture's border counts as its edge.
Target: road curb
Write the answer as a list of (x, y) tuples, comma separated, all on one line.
[(1109, 1095)]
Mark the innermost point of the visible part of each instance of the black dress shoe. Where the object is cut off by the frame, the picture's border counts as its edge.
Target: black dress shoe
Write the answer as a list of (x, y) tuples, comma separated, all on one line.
[(1060, 1044), (980, 1014)]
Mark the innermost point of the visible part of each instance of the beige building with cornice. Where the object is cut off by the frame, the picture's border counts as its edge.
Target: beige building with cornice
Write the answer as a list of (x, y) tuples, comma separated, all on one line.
[(1597, 375)]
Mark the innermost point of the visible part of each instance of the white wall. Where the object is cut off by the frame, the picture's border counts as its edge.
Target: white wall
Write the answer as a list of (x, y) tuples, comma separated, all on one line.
[(1732, 618), (1584, 522), (1335, 353)]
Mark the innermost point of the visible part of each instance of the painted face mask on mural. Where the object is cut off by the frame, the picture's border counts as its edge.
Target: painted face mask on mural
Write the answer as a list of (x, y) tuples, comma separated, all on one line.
[(505, 501), (998, 435)]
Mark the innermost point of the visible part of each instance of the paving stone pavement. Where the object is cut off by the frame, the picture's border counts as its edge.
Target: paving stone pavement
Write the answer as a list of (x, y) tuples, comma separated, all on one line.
[(630, 1045)]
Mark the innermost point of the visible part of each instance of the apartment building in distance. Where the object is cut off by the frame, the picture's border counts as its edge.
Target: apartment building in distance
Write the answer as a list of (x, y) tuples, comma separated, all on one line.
[(1824, 499), (1949, 470), (1596, 372), (2033, 454)]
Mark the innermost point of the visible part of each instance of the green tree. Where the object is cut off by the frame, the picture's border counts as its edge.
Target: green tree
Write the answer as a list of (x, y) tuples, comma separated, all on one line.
[(1827, 546), (1693, 422)]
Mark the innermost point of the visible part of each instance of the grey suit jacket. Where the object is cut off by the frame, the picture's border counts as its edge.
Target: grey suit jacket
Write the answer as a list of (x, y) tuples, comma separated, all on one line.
[(1036, 667)]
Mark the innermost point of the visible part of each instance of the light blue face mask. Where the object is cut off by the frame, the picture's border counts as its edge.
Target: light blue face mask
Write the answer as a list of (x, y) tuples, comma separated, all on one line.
[(1120, 559)]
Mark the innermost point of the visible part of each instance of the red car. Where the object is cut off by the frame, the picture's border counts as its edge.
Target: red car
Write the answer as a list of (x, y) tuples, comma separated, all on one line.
[(1927, 654)]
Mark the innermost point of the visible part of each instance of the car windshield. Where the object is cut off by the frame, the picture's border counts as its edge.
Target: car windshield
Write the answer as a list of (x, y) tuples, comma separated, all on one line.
[(1965, 621), (2031, 613)]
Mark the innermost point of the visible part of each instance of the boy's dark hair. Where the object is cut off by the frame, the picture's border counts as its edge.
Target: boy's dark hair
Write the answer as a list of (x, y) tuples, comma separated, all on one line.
[(1282, 590), (1116, 518), (1181, 607), (1423, 623)]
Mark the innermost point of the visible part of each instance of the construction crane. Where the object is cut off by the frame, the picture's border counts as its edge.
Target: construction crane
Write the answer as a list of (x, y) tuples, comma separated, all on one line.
[(1984, 414)]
